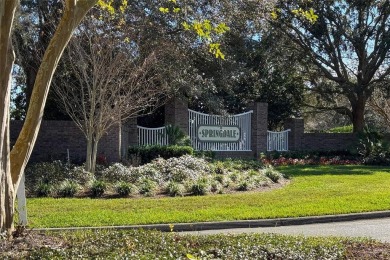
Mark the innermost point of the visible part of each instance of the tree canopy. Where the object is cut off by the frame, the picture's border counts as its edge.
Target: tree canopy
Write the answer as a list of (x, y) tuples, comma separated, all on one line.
[(346, 50)]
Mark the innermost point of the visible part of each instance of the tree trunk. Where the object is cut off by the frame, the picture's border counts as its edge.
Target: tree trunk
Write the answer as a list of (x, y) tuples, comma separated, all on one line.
[(20, 154), (12, 163), (358, 109), (88, 159), (7, 57), (94, 154)]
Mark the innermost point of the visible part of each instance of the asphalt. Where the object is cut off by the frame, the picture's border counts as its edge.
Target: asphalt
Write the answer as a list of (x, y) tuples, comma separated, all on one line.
[(371, 224)]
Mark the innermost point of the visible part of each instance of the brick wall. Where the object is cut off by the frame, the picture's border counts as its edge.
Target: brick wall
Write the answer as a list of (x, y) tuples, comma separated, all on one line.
[(298, 140), (328, 141), (56, 137)]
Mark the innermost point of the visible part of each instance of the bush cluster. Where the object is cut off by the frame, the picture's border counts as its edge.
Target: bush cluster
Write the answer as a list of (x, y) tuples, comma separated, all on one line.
[(148, 153), (342, 157), (185, 175)]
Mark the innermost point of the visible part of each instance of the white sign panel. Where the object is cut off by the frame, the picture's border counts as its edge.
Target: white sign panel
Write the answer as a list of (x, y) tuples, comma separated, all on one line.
[(213, 133)]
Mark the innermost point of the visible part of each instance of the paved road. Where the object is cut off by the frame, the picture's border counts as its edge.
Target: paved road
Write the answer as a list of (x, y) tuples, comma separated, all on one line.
[(374, 228)]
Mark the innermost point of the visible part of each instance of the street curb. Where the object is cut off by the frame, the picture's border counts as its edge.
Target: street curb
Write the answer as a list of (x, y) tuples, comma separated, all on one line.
[(199, 226)]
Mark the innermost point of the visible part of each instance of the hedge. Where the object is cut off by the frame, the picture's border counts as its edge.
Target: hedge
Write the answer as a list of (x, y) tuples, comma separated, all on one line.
[(147, 153)]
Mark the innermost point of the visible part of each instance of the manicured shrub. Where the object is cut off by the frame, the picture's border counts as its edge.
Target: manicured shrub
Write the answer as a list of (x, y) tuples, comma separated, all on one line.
[(151, 152), (44, 189), (175, 189), (216, 187), (46, 172), (147, 187), (273, 174), (98, 188), (200, 187), (68, 188), (117, 172), (124, 188), (80, 175), (373, 148), (245, 185)]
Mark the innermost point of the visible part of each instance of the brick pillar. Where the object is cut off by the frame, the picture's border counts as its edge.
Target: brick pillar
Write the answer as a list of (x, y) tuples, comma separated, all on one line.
[(259, 128), (176, 113), (296, 135), (132, 132)]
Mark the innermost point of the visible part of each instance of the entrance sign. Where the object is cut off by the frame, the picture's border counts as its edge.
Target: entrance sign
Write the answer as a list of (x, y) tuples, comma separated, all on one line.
[(220, 133), (212, 133)]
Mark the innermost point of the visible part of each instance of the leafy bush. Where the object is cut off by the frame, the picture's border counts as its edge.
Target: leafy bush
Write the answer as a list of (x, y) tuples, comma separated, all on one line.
[(216, 187), (245, 185), (44, 189), (176, 136), (151, 152), (98, 188), (149, 171), (117, 172), (174, 189), (46, 172), (68, 188), (373, 148), (273, 174), (147, 187), (200, 187), (80, 175), (124, 188)]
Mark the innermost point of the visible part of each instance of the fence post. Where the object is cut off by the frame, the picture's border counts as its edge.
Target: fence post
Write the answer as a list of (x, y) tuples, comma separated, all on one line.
[(22, 205), (296, 135), (259, 128), (176, 113)]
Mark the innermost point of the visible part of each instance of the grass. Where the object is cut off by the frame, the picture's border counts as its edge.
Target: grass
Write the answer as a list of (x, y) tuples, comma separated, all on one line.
[(314, 190)]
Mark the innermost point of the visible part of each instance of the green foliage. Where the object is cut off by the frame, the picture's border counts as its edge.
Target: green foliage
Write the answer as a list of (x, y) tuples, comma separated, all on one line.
[(148, 187), (68, 188), (210, 155), (143, 244), (374, 149), (245, 185), (150, 152), (176, 136), (342, 129), (175, 189), (272, 173), (124, 188), (200, 187), (47, 175), (44, 189), (98, 188), (46, 172)]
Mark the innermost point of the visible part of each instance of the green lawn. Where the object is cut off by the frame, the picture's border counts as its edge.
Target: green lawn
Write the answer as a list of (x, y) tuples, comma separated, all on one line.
[(314, 190)]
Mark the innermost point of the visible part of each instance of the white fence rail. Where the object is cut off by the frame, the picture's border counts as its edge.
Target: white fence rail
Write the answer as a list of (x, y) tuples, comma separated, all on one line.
[(241, 122), (151, 136), (277, 141)]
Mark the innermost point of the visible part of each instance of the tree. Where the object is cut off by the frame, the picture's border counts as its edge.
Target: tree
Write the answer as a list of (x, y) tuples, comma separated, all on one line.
[(13, 162), (108, 82), (35, 24), (345, 47), (379, 103)]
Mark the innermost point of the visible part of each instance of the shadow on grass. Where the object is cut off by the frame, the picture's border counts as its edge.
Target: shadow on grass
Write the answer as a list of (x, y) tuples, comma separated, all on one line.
[(309, 170)]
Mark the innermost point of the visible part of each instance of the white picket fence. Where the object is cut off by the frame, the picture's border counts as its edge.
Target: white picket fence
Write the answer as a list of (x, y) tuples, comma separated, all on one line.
[(152, 136), (277, 141)]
